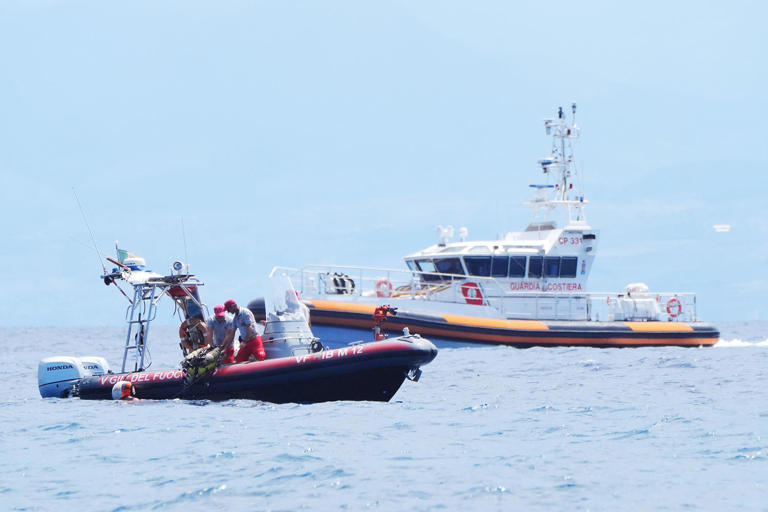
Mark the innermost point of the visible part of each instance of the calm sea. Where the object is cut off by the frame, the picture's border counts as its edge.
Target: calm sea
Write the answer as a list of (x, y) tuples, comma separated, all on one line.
[(486, 428)]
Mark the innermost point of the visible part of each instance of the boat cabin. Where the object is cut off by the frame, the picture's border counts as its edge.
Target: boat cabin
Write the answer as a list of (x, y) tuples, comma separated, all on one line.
[(551, 260)]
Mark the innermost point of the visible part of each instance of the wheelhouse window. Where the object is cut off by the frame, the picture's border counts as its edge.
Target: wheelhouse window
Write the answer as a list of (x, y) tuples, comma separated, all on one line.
[(427, 266), (449, 266), (551, 267), (500, 266), (534, 266), (517, 266), (568, 265), (478, 265), (411, 265)]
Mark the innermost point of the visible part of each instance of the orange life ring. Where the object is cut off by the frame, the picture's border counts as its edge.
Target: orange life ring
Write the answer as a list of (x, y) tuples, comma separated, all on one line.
[(674, 307), (472, 293), (384, 287)]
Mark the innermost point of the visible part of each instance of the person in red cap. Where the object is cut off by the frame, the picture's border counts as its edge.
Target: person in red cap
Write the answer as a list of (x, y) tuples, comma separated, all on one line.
[(219, 325), (251, 345)]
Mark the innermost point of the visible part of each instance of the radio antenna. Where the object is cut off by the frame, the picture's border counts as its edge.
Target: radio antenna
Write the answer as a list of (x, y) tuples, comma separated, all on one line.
[(184, 237), (98, 254)]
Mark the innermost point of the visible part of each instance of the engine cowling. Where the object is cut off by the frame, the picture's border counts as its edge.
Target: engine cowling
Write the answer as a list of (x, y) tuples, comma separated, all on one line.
[(56, 376)]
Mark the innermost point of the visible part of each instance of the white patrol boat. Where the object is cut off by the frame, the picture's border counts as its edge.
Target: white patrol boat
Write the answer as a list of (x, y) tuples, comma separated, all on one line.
[(526, 288)]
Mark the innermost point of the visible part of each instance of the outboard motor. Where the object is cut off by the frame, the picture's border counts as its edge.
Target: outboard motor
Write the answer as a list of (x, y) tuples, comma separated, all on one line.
[(57, 376)]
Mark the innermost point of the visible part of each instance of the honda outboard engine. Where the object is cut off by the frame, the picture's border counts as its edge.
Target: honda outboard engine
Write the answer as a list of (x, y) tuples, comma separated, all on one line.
[(57, 376)]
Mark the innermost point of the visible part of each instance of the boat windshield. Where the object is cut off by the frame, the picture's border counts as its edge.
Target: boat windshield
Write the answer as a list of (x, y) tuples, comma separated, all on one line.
[(282, 302), (287, 331), (441, 266)]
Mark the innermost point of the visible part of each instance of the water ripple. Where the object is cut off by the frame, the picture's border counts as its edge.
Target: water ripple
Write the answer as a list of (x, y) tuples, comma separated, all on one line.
[(486, 428)]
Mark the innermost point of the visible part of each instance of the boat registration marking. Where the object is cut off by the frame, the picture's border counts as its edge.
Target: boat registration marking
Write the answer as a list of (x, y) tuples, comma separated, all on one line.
[(570, 240), (142, 377), (330, 354)]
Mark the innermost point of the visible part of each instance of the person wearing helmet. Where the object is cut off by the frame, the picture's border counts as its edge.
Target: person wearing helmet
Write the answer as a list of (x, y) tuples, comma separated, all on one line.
[(123, 390), (251, 345)]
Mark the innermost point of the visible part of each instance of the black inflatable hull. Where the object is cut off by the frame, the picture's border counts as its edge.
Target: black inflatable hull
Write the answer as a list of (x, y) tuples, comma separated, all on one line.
[(368, 371)]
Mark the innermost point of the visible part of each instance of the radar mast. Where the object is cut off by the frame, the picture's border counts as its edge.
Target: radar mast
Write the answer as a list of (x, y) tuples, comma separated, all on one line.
[(560, 171)]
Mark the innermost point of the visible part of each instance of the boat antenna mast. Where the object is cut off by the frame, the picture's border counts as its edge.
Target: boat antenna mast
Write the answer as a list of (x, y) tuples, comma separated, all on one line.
[(560, 170)]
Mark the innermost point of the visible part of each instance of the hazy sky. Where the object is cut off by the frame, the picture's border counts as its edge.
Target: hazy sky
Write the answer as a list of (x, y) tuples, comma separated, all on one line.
[(294, 132)]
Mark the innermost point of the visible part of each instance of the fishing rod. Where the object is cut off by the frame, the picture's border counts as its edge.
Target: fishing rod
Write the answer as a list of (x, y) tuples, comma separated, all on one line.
[(96, 248), (184, 236), (90, 232)]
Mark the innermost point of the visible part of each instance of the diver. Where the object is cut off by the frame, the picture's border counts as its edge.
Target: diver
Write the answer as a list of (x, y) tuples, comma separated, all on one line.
[(124, 390), (192, 334)]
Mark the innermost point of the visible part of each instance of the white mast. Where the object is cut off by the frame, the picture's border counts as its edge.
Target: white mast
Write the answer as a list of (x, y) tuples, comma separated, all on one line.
[(561, 172)]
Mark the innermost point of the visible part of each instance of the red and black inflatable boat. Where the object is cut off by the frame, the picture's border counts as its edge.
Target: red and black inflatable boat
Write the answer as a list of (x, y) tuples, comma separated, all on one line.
[(297, 368), (363, 371)]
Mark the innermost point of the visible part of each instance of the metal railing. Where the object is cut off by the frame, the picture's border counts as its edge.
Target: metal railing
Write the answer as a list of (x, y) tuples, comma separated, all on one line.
[(385, 283)]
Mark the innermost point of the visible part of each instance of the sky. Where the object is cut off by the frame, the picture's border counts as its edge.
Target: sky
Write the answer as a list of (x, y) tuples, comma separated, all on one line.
[(240, 135)]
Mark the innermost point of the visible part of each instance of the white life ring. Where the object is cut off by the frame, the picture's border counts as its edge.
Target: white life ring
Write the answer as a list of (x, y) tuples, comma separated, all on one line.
[(674, 307), (384, 287)]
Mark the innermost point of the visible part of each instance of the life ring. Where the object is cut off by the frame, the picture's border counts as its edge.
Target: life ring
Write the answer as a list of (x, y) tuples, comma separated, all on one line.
[(472, 293), (384, 287), (674, 307)]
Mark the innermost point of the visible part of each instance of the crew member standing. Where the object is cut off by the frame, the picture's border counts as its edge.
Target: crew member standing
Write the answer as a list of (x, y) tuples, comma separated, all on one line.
[(250, 340), (219, 326)]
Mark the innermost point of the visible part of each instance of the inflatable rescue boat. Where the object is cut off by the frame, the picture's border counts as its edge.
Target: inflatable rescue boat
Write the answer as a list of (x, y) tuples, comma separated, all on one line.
[(298, 367)]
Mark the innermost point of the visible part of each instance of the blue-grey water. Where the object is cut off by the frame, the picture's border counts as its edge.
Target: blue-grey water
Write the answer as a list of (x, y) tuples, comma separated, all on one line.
[(486, 428)]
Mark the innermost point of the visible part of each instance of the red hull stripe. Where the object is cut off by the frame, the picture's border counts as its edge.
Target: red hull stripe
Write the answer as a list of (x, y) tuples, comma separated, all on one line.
[(347, 352), (308, 359)]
